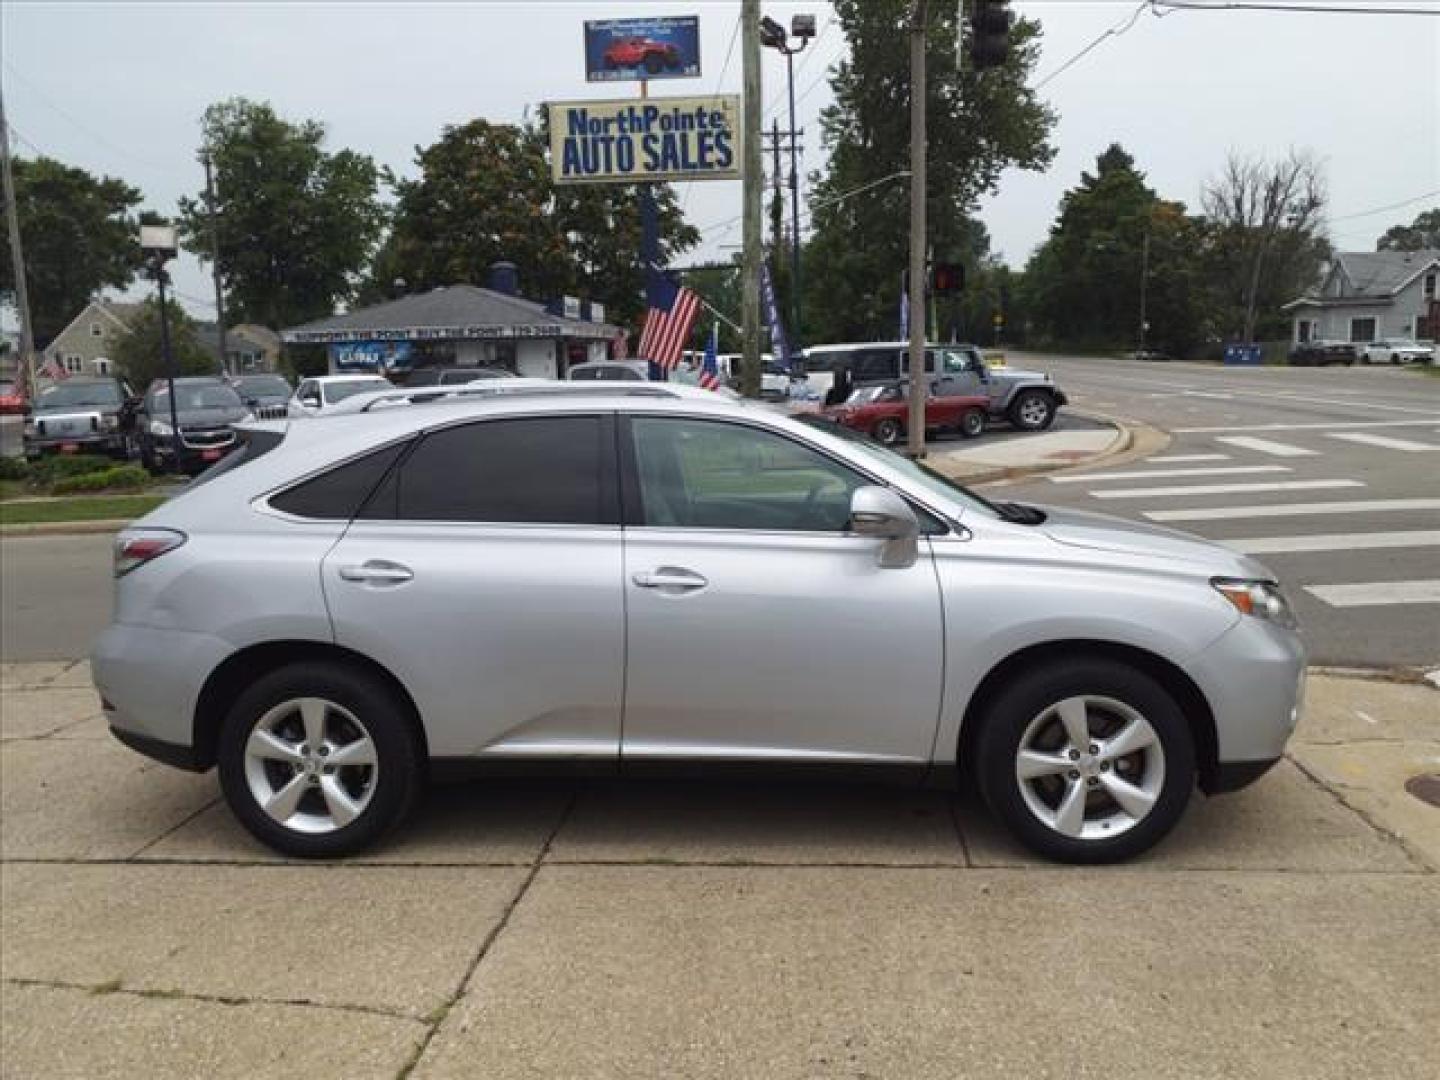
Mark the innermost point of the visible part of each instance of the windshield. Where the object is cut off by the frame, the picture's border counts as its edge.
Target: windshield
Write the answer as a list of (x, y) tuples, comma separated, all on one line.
[(195, 398), (270, 385), (869, 395), (925, 477), (104, 395), (339, 391)]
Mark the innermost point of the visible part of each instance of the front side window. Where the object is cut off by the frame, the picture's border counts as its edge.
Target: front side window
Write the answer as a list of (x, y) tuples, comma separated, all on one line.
[(705, 474), (551, 470)]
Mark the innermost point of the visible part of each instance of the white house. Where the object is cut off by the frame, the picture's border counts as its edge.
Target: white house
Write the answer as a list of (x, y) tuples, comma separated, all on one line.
[(1373, 295)]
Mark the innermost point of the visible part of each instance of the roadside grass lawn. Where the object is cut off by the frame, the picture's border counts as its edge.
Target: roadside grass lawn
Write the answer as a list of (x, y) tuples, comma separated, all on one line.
[(79, 508)]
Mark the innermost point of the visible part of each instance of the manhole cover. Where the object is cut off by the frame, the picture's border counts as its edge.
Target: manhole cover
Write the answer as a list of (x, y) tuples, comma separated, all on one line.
[(1425, 787)]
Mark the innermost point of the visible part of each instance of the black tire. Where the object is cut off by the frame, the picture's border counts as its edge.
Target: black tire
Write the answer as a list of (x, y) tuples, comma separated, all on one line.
[(1006, 718), (889, 431), (398, 774), (972, 424), (1025, 411)]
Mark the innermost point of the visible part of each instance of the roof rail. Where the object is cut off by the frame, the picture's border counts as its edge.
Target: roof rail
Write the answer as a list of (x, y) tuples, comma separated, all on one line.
[(492, 388)]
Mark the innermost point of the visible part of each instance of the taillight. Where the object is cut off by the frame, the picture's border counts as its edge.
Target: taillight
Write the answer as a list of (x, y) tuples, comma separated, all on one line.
[(136, 547)]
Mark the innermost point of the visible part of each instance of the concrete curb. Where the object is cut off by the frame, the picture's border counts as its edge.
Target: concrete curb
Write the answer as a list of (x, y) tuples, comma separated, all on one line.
[(64, 528), (1134, 440)]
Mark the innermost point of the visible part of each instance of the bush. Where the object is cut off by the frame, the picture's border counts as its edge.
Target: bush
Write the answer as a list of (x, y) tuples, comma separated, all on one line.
[(115, 476), (49, 469), (13, 468)]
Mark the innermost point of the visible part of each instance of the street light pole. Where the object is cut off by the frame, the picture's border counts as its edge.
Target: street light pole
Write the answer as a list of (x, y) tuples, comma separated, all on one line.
[(1144, 281), (158, 243), (774, 36), (751, 198)]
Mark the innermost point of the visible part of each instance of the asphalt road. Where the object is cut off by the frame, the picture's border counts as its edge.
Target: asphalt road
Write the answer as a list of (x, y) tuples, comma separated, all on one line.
[(1330, 476)]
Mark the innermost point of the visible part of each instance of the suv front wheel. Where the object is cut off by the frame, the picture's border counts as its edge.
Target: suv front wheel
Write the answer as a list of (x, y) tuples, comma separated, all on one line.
[(1032, 410), (1086, 760), (319, 760)]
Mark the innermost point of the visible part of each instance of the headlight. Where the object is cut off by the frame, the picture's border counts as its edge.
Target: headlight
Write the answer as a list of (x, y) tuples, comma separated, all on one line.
[(160, 427), (1262, 599)]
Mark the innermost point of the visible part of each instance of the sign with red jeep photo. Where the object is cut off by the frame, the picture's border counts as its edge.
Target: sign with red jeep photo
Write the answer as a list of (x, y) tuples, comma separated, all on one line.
[(666, 47)]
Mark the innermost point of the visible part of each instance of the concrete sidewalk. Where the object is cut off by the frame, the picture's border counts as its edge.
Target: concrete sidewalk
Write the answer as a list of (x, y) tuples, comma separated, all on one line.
[(656, 929)]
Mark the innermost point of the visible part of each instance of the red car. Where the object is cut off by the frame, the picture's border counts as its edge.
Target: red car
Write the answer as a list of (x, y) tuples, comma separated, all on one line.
[(881, 410), (12, 401), (653, 56)]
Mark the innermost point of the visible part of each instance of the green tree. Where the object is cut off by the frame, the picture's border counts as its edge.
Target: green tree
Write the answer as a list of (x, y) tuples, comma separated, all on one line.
[(80, 236), (1083, 285), (137, 353), (1422, 234), (297, 223), (485, 195), (978, 125)]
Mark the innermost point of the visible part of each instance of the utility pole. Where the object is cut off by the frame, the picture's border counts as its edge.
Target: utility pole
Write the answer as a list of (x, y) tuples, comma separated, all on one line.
[(17, 259), (752, 210), (776, 205), (1144, 281), (918, 381), (215, 259)]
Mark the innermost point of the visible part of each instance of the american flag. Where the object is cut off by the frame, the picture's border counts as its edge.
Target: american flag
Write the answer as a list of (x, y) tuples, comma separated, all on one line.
[(710, 370), (670, 313), (54, 369)]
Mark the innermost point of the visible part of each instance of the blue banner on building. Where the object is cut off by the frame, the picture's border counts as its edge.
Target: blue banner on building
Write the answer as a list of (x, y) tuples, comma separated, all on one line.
[(370, 356), (658, 48)]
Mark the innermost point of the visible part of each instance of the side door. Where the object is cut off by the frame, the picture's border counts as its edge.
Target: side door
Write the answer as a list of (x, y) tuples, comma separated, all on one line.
[(758, 626), (485, 573)]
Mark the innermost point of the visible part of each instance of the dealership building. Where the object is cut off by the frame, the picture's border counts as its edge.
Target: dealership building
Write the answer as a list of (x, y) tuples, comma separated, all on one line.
[(464, 325)]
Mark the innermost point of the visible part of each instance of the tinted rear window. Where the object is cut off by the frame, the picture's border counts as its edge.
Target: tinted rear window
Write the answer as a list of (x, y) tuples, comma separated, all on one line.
[(338, 494), (542, 470), (253, 445)]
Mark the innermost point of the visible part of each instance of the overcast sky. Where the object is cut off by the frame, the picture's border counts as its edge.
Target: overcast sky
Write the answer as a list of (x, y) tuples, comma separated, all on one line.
[(119, 87)]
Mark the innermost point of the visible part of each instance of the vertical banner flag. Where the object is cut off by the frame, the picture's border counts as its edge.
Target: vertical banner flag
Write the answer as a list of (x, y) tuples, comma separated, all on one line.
[(669, 315), (778, 345), (710, 370)]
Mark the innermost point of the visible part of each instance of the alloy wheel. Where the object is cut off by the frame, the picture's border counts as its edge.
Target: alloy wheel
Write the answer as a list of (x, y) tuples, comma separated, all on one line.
[(311, 765), (1033, 411), (1090, 767)]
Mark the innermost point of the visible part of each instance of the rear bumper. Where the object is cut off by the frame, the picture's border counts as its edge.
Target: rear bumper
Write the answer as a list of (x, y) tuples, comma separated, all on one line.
[(1234, 775), (180, 757)]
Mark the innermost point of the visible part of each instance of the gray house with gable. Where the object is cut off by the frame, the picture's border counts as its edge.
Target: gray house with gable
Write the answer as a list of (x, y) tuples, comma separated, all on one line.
[(1372, 296)]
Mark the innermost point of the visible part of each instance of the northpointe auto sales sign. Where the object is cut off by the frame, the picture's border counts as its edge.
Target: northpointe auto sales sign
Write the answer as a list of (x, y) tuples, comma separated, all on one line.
[(654, 139)]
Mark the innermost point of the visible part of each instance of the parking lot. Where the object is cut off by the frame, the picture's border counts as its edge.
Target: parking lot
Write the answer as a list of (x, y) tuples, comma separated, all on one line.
[(548, 928)]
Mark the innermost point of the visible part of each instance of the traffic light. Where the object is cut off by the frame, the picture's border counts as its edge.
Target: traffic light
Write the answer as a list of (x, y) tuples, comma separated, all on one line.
[(990, 23), (947, 279)]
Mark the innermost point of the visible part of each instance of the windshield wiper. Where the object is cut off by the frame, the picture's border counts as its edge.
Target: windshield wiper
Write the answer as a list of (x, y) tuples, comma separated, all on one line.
[(1020, 514)]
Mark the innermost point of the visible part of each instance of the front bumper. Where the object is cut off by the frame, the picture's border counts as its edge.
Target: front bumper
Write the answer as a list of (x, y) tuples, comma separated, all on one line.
[(191, 456), (106, 442), (1254, 680)]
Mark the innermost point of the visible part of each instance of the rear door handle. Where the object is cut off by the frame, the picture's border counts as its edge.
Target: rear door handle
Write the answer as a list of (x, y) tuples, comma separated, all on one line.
[(674, 579), (377, 572)]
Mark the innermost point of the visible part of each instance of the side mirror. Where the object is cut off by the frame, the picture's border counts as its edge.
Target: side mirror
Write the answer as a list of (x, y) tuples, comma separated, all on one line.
[(879, 512)]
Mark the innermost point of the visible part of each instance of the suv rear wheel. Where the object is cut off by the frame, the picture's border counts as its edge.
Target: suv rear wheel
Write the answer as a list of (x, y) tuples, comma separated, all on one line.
[(318, 760), (1086, 761)]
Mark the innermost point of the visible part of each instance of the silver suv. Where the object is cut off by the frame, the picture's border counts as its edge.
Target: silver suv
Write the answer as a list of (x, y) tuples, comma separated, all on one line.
[(619, 578)]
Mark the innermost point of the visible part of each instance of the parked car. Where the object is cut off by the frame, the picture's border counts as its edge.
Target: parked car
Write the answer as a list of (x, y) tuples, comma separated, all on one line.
[(1322, 353), (315, 395), (79, 415), (1397, 351), (1028, 400), (12, 399), (267, 396), (609, 371), (570, 574), (633, 52), (450, 376), (207, 408), (882, 411)]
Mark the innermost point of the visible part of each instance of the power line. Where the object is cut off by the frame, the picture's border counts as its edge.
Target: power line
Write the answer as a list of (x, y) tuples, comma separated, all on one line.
[(730, 222), (725, 67), (1114, 31), (1383, 209), (779, 98), (1308, 9)]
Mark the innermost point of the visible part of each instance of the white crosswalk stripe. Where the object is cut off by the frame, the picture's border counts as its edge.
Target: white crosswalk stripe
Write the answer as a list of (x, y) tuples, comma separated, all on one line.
[(1385, 442), (1357, 506), (1176, 459), (1150, 474), (1271, 545), (1223, 489), (1265, 446), (1375, 593), (1329, 425)]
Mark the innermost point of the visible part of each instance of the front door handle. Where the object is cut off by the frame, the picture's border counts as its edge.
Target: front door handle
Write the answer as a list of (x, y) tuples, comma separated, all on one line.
[(377, 572), (671, 579)]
